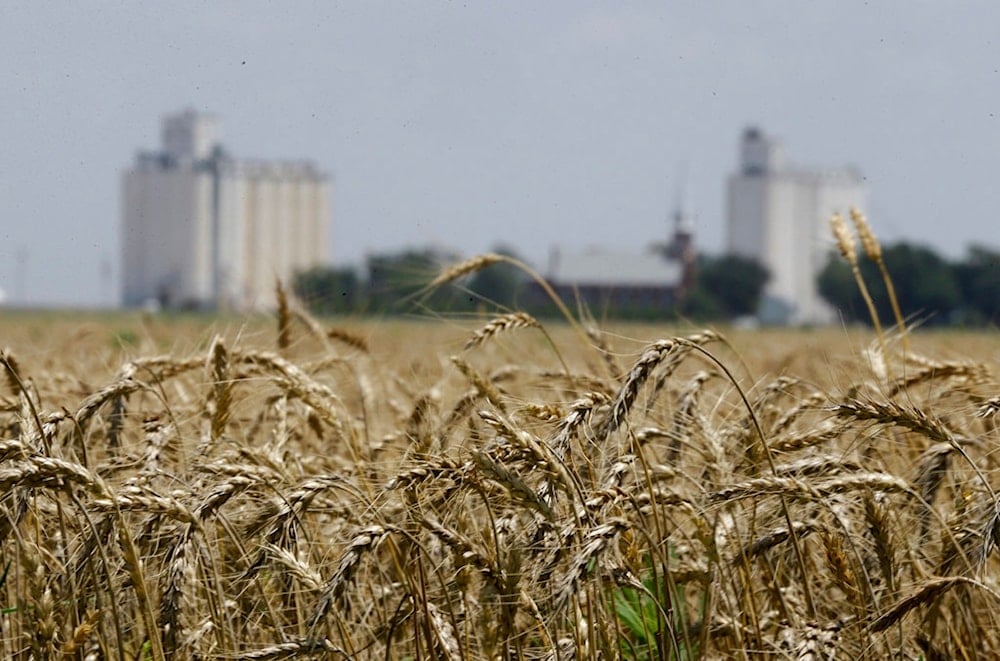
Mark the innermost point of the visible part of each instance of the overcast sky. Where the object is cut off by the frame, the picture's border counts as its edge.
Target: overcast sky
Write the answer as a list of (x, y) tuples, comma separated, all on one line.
[(467, 125)]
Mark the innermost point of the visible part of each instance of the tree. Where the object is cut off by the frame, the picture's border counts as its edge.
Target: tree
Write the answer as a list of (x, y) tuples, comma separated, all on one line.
[(979, 281), (731, 284), (500, 283), (925, 285), (327, 290), (837, 287), (700, 305), (396, 279)]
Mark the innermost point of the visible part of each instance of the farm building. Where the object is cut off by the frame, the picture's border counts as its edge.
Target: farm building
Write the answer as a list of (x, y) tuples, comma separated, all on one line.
[(202, 229), (627, 284)]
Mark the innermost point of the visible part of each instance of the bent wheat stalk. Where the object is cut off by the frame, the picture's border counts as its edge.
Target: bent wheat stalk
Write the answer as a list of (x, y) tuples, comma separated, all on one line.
[(480, 262), (925, 594)]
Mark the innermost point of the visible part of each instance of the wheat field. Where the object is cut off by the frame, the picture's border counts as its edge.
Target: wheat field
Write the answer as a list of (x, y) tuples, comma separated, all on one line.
[(493, 488)]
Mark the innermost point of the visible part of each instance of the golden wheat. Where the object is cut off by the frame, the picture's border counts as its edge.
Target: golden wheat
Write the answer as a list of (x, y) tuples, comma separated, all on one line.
[(334, 499)]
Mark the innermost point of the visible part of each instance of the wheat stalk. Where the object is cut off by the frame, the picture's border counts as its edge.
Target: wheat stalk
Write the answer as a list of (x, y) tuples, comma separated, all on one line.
[(595, 543), (365, 541), (874, 251), (793, 486), (222, 387), (771, 539), (653, 355), (503, 323), (989, 408), (929, 591), (466, 552), (894, 413), (294, 649), (849, 251), (180, 558), (877, 517), (485, 389), (464, 268), (347, 337), (284, 317), (480, 262)]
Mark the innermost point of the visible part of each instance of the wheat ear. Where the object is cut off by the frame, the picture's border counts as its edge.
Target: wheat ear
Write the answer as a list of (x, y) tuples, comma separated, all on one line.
[(500, 324), (284, 317), (479, 262), (926, 593), (874, 251), (849, 251)]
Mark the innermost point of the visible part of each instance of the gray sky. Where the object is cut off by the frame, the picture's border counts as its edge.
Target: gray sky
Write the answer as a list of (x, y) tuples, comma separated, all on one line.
[(467, 125)]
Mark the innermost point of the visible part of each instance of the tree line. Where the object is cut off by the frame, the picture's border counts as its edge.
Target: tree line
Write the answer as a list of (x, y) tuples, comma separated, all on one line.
[(724, 287), (930, 288)]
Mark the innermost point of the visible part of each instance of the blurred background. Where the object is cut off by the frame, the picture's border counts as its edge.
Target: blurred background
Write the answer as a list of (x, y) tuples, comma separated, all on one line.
[(459, 128)]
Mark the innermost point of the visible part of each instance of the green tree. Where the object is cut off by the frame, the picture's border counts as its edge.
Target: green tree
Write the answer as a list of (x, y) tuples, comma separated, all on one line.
[(500, 283), (397, 280), (731, 284), (978, 279), (925, 284), (837, 287), (327, 290), (701, 305)]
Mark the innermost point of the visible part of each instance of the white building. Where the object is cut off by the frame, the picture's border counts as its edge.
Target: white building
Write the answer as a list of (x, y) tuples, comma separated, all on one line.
[(779, 215), (204, 230)]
